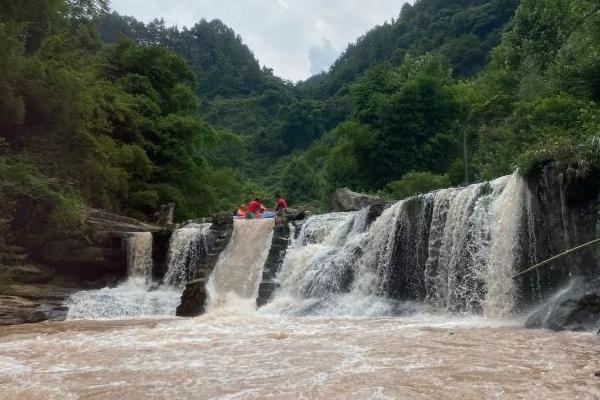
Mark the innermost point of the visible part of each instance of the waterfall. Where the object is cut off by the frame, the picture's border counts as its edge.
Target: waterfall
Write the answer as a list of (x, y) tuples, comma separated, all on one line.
[(134, 298), (236, 277), (188, 248), (139, 255), (337, 273), (454, 249)]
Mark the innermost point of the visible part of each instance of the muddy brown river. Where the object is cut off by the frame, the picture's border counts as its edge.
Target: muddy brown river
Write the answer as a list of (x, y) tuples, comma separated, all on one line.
[(263, 357)]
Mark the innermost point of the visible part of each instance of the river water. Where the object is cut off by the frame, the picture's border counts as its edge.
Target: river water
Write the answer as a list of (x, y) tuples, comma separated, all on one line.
[(253, 356)]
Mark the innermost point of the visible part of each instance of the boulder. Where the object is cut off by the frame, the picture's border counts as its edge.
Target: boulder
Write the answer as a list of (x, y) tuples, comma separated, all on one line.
[(575, 308), (193, 299), (224, 218), (293, 214), (347, 200)]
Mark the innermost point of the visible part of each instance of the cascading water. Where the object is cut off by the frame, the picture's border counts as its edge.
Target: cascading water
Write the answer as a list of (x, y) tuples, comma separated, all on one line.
[(136, 297), (454, 249), (329, 274), (139, 255), (236, 277), (188, 247), (133, 298)]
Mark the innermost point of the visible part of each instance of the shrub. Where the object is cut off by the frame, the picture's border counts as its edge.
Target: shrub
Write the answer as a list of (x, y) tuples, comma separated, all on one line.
[(415, 183)]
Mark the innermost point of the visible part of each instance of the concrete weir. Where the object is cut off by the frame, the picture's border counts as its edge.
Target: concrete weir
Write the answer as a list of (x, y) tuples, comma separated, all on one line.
[(194, 298), (279, 245)]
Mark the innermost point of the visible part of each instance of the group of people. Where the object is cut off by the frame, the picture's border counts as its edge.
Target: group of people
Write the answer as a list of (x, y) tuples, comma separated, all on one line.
[(256, 209)]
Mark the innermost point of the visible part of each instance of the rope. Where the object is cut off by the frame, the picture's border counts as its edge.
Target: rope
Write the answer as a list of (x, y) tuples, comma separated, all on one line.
[(556, 257)]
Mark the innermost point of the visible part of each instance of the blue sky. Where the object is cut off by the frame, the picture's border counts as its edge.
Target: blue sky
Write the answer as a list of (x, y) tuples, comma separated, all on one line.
[(296, 38)]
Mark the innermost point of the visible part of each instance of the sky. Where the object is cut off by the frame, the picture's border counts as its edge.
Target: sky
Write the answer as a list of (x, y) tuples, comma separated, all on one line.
[(297, 38)]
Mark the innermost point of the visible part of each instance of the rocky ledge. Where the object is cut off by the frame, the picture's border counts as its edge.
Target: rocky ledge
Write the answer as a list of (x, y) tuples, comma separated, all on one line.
[(347, 200), (30, 292), (36, 281), (575, 308)]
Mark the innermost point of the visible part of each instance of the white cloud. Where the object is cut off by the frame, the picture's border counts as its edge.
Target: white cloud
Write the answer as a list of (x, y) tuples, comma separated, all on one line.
[(321, 56), (286, 35)]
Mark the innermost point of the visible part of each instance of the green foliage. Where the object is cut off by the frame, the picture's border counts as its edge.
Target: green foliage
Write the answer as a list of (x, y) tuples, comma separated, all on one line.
[(414, 183), (465, 32), (414, 115), (161, 114), (33, 204)]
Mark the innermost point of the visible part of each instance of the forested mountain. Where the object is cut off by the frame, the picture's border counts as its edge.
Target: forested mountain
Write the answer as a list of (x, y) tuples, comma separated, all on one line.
[(224, 66), (463, 31), (82, 123), (101, 110)]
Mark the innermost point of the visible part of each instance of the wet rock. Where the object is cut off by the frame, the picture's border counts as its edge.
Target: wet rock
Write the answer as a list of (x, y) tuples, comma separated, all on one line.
[(193, 299), (25, 304), (224, 218), (160, 253), (347, 200), (293, 214), (575, 308), (279, 245), (194, 294)]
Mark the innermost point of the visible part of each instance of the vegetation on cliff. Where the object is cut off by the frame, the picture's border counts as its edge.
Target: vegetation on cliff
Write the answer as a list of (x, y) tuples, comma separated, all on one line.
[(102, 110)]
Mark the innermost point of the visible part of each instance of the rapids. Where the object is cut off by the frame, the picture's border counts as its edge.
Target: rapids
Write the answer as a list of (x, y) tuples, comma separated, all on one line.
[(249, 356)]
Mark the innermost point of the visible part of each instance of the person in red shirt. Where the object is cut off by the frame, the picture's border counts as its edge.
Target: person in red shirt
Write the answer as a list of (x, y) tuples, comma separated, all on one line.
[(282, 204), (255, 207)]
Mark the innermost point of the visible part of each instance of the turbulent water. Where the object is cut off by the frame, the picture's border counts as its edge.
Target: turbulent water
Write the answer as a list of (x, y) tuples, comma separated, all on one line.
[(133, 298), (253, 357), (188, 247), (236, 277), (325, 271), (453, 250), (139, 255), (137, 297)]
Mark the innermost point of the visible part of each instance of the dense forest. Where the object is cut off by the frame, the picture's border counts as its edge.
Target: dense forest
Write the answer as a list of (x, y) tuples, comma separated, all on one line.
[(101, 110)]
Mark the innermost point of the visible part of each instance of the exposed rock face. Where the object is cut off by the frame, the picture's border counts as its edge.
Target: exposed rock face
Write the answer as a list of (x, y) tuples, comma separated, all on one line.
[(160, 253), (35, 282), (279, 245), (576, 308), (561, 214), (30, 292), (347, 200), (193, 298), (101, 252)]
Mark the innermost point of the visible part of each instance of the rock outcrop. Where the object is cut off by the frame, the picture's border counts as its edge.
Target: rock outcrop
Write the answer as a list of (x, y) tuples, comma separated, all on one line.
[(575, 308), (347, 200), (561, 214), (30, 292), (35, 281), (99, 251)]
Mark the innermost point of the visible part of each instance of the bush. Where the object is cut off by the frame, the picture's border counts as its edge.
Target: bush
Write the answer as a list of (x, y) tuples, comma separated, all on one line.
[(32, 203), (415, 183)]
